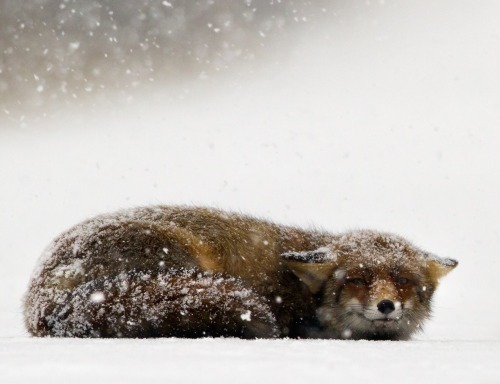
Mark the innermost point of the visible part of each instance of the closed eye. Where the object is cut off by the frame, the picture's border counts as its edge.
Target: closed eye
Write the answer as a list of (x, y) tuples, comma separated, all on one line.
[(357, 281), (403, 281)]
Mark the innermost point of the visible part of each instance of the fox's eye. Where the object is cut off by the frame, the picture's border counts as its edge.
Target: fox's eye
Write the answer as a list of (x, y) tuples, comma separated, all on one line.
[(403, 281), (357, 281)]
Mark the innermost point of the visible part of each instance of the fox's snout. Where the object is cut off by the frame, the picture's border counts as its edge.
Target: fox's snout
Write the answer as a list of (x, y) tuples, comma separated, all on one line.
[(384, 299)]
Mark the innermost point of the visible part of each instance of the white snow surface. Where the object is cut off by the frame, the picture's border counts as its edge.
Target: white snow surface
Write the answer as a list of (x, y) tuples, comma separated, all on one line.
[(380, 114), (231, 360)]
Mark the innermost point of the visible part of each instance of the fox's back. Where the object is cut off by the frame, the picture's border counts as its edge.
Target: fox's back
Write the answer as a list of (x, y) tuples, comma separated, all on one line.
[(163, 237)]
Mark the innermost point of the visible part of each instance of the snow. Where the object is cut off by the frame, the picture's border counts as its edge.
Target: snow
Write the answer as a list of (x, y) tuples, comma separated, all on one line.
[(97, 297), (247, 316), (230, 360), (319, 255), (385, 116)]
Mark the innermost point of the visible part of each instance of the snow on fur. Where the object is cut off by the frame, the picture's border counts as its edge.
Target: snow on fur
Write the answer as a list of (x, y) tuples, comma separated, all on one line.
[(176, 302)]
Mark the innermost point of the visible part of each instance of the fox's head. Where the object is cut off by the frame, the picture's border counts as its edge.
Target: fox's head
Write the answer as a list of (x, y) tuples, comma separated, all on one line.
[(370, 285)]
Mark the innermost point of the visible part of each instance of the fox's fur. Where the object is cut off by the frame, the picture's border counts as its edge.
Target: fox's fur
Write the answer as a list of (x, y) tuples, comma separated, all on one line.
[(194, 272)]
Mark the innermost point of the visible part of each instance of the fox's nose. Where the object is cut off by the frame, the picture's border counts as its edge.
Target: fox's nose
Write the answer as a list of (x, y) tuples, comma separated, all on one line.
[(385, 306)]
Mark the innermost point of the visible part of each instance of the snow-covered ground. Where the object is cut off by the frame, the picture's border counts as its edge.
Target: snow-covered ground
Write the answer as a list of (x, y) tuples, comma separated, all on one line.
[(383, 114), (260, 361)]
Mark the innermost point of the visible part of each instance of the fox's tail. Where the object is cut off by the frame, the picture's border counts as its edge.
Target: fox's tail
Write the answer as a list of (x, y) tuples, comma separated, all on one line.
[(182, 303)]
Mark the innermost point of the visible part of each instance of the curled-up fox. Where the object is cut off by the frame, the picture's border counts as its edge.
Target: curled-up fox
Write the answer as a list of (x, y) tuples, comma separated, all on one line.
[(198, 272)]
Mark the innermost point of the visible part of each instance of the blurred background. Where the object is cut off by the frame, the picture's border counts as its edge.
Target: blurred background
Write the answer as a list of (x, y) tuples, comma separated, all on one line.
[(338, 114)]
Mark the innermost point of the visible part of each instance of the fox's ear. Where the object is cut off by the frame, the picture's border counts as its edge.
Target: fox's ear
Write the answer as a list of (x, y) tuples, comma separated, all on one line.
[(313, 268), (439, 267)]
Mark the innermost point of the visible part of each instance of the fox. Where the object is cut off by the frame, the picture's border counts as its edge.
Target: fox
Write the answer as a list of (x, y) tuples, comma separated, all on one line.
[(180, 271)]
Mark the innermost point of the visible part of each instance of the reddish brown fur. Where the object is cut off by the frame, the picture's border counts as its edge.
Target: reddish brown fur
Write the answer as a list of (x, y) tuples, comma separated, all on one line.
[(192, 272)]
